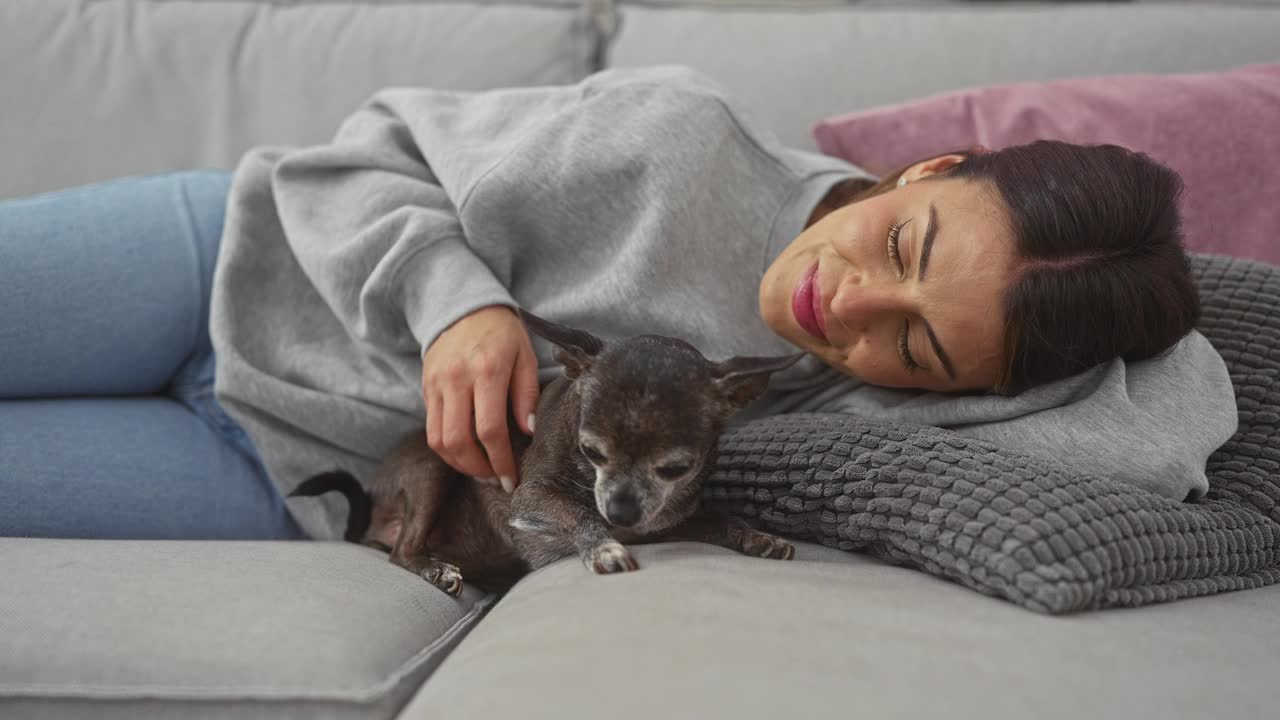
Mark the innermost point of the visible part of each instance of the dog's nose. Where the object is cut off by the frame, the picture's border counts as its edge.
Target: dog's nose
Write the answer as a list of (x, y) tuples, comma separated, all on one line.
[(622, 510)]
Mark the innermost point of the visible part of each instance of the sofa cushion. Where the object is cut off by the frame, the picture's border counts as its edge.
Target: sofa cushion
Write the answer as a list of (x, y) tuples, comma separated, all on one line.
[(1218, 130), (700, 632), (792, 66), (121, 87), (129, 629)]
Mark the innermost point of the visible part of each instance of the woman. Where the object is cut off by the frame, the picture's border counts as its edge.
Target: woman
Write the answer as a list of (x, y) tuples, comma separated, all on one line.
[(1037, 296)]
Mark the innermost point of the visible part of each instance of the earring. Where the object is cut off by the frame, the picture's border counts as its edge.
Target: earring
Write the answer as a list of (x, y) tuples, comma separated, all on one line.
[(902, 181)]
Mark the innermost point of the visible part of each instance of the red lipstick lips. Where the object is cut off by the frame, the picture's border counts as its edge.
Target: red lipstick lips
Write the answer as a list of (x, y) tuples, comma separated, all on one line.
[(806, 304)]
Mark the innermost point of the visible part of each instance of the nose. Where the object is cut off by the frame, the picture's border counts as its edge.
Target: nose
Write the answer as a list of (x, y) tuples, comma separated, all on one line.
[(623, 510), (858, 304)]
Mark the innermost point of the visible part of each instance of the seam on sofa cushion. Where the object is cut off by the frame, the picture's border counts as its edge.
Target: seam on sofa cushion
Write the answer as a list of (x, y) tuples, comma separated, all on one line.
[(172, 692)]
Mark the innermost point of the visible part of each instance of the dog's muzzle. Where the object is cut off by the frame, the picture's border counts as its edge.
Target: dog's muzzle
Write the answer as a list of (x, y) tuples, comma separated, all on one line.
[(623, 509)]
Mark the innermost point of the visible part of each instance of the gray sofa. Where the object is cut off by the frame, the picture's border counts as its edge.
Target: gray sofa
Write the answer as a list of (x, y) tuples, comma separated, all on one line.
[(249, 629)]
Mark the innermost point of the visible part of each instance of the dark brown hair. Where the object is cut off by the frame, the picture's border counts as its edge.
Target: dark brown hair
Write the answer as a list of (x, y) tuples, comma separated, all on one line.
[(1101, 269)]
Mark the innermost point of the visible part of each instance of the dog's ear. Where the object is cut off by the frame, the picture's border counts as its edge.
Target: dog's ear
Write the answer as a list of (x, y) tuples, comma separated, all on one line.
[(576, 349), (739, 380)]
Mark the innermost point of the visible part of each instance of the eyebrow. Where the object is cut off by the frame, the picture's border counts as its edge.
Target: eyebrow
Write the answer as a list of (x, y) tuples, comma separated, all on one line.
[(926, 248)]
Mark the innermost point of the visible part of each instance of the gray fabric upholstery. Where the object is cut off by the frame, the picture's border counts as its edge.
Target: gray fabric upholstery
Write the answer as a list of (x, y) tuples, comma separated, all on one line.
[(120, 629), (795, 63), (700, 632), (123, 87), (95, 629), (1024, 528)]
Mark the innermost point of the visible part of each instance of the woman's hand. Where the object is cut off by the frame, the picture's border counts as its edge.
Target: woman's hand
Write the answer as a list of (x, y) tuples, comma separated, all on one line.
[(466, 374)]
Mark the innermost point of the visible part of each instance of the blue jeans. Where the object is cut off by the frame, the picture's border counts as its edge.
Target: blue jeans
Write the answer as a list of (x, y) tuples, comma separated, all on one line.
[(108, 424)]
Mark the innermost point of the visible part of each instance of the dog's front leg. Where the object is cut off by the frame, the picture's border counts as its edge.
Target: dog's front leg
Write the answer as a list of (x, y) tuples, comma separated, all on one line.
[(544, 538), (599, 551), (538, 540), (735, 534), (549, 526)]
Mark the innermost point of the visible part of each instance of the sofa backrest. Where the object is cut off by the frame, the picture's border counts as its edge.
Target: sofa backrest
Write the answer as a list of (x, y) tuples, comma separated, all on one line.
[(792, 64), (94, 90)]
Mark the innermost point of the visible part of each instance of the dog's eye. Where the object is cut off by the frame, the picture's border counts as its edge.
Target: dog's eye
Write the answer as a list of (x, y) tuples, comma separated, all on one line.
[(671, 472), (592, 454)]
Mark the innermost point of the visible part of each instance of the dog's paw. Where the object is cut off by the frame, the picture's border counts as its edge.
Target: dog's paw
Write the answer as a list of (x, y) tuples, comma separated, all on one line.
[(764, 545), (444, 576), (611, 557)]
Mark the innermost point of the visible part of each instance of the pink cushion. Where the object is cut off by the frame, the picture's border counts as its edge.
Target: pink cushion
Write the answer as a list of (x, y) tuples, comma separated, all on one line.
[(1220, 131)]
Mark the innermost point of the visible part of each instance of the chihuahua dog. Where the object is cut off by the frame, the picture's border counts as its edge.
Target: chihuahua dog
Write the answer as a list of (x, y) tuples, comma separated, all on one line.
[(624, 440)]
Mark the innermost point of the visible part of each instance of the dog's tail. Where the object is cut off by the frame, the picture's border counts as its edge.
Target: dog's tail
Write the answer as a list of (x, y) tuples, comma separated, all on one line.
[(361, 504)]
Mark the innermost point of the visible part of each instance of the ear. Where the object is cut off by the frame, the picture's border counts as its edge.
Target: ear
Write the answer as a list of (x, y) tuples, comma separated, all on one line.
[(739, 380), (934, 165), (576, 349)]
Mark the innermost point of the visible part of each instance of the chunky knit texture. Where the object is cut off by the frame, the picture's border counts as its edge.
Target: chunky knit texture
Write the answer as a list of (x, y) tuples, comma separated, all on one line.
[(1025, 528)]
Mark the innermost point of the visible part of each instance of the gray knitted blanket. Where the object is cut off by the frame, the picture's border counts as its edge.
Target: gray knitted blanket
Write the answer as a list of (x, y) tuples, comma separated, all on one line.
[(1024, 528)]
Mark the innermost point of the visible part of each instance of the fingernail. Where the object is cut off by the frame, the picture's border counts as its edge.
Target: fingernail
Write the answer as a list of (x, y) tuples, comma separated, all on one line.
[(508, 484), (487, 480), (531, 423)]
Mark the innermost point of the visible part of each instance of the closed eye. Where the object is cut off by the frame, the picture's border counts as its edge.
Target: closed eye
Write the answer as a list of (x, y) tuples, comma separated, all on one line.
[(673, 471), (895, 257), (904, 350), (595, 456)]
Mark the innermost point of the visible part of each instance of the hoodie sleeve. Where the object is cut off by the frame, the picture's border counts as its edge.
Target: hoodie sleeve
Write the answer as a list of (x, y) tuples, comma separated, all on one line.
[(372, 217), (377, 218)]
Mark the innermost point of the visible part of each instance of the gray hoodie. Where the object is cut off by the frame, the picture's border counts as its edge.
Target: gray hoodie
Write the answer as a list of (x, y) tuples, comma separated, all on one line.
[(636, 201)]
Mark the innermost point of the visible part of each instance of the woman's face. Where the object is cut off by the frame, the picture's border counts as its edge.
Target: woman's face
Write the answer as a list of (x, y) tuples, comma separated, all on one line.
[(929, 315)]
